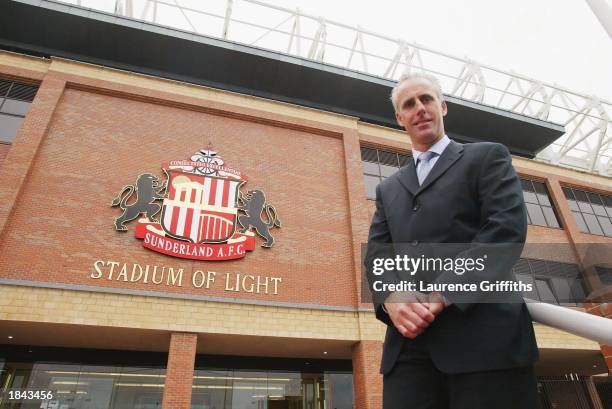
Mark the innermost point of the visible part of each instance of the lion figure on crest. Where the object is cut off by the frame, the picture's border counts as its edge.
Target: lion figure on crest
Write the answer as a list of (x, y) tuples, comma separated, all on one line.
[(253, 204), (147, 191)]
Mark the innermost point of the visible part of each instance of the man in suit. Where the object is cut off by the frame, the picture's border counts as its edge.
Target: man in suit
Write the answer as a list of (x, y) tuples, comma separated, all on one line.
[(442, 350)]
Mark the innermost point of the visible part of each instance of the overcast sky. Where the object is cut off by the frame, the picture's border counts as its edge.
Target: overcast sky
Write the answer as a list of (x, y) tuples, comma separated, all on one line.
[(549, 40)]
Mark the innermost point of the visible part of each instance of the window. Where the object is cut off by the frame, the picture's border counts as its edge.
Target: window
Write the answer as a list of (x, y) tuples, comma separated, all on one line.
[(593, 211), (378, 165), (552, 281), (605, 275), (537, 201), (15, 100), (231, 382)]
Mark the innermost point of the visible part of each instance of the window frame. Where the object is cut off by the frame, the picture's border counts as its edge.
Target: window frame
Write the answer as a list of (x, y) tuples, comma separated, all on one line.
[(532, 182)]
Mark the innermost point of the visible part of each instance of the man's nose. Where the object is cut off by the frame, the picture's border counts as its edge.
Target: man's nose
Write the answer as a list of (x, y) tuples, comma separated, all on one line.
[(419, 106)]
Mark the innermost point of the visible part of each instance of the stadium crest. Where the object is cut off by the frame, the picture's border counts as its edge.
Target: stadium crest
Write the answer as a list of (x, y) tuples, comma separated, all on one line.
[(203, 213)]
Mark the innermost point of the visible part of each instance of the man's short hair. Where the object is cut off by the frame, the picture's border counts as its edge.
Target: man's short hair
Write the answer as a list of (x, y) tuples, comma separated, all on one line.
[(415, 75)]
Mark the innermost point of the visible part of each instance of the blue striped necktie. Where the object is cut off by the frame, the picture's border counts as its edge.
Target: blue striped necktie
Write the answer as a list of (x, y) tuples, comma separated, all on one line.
[(424, 165)]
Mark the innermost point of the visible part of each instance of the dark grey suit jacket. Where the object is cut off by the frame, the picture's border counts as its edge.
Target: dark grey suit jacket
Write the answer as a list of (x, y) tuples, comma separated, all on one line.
[(471, 195)]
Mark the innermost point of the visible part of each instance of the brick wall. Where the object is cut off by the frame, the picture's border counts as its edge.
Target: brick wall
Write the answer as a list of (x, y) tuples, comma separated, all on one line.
[(366, 377), (179, 372), (97, 143), (3, 152), (92, 130)]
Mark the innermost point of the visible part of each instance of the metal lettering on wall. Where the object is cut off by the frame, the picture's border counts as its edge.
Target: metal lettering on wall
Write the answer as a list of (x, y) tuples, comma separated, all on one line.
[(204, 215), (168, 276)]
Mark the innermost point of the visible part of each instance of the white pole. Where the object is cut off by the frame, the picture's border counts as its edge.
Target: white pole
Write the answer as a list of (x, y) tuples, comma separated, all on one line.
[(575, 322), (603, 12)]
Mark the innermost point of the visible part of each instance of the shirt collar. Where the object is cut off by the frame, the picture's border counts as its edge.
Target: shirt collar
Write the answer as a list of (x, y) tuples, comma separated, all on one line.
[(437, 147)]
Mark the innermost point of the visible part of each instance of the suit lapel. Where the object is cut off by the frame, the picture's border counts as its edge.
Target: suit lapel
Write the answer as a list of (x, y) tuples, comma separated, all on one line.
[(450, 155), (408, 177)]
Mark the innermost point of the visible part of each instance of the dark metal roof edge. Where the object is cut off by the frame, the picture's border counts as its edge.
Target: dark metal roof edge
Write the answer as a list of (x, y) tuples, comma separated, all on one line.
[(261, 52)]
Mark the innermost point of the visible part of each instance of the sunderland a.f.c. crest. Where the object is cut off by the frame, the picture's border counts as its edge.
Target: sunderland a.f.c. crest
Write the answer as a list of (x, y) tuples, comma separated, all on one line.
[(203, 215)]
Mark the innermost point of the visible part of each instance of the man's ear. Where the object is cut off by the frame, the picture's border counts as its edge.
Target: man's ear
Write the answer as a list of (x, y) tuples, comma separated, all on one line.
[(397, 118), (444, 108)]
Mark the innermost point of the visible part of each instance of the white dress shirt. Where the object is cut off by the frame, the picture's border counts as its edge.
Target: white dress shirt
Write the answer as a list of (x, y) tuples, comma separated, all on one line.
[(437, 147)]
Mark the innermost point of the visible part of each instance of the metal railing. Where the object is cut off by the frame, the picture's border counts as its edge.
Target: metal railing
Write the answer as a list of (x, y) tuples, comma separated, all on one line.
[(586, 145)]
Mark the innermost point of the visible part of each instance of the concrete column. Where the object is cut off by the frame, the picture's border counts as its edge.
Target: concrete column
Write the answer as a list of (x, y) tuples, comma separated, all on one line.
[(179, 372)]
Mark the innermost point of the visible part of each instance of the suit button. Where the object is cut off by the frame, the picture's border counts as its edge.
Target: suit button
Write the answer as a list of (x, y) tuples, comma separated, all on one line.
[(415, 207), (414, 243)]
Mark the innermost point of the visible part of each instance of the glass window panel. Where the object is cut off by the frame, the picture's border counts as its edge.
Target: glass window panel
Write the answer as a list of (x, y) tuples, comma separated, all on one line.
[(580, 221), (550, 216), (522, 267), (386, 170), (12, 106), (538, 267), (95, 386), (370, 184), (341, 388), (607, 200), (211, 388), (573, 205), (543, 199), (285, 386), (9, 125), (568, 193), (545, 292), (593, 224), (530, 197), (61, 380), (605, 274), (606, 225), (22, 91), (563, 290), (541, 193), (527, 186), (370, 167), (580, 195), (369, 155), (585, 207), (535, 214), (599, 210), (609, 211), (251, 390), (139, 388), (528, 279), (388, 158), (4, 87), (540, 187), (404, 159), (594, 198), (578, 290)]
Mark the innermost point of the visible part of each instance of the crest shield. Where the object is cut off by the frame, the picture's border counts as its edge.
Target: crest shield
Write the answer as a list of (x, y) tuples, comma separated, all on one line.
[(200, 208)]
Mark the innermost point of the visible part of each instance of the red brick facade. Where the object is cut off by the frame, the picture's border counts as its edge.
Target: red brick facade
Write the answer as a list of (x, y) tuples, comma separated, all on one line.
[(179, 372), (367, 380), (85, 138)]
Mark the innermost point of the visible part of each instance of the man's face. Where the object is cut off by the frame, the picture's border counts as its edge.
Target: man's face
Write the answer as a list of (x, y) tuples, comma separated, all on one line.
[(420, 112)]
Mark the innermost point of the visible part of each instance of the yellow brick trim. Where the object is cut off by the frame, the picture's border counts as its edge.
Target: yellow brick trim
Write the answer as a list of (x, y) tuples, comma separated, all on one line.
[(197, 91), (33, 304), (382, 132), (584, 177), (549, 337), (16, 60)]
